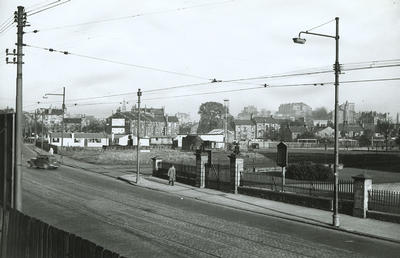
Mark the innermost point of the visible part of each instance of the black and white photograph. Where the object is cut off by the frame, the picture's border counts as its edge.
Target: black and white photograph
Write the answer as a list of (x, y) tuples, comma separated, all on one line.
[(199, 128)]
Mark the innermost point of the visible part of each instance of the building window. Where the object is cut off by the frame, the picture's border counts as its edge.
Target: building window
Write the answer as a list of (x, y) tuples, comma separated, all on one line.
[(94, 140), (55, 140), (77, 140)]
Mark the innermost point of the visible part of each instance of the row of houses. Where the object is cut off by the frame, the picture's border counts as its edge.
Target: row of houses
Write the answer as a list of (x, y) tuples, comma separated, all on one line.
[(269, 127), (255, 128), (153, 123), (213, 139)]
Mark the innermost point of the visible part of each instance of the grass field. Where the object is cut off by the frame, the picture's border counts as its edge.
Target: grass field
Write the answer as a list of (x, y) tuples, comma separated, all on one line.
[(380, 167), (381, 161), (126, 157)]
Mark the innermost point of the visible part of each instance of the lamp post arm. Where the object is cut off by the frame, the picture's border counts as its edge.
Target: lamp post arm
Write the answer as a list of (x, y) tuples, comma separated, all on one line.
[(316, 34), (53, 94)]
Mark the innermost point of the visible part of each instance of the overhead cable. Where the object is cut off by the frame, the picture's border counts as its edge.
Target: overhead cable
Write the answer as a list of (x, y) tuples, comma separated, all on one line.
[(50, 6), (119, 62), (129, 16)]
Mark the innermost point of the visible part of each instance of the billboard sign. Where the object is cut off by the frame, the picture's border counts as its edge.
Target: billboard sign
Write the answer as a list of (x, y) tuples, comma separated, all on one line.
[(118, 122)]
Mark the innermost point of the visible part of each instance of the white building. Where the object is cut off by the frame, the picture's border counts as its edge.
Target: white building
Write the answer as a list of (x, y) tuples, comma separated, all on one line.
[(80, 139), (320, 122)]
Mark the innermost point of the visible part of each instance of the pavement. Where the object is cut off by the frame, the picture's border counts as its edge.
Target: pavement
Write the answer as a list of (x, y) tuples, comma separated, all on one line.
[(364, 227)]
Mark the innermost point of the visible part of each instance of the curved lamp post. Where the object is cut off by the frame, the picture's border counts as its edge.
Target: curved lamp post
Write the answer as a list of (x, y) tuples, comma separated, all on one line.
[(300, 40)]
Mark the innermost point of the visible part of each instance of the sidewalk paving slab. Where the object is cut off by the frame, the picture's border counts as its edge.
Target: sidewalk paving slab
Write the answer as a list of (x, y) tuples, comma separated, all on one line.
[(364, 227)]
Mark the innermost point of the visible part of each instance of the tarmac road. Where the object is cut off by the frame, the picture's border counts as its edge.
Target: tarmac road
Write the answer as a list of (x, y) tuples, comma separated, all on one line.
[(138, 222)]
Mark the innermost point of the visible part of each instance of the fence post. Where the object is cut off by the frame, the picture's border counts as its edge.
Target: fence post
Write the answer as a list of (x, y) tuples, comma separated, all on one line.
[(156, 165), (235, 168), (362, 184), (201, 160)]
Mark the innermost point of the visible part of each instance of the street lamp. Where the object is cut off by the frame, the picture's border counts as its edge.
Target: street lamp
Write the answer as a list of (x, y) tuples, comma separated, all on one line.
[(63, 112), (300, 40)]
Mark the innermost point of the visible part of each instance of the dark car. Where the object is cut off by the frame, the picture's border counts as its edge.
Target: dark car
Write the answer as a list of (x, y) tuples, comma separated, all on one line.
[(43, 161)]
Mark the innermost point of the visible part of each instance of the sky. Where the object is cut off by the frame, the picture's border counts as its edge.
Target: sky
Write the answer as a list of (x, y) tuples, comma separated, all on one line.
[(197, 41)]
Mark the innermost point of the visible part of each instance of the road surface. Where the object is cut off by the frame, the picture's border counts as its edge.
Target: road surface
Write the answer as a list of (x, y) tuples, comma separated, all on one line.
[(138, 222)]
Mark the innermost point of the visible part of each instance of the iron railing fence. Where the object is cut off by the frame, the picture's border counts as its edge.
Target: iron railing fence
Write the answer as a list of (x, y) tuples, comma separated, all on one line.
[(384, 201), (273, 181)]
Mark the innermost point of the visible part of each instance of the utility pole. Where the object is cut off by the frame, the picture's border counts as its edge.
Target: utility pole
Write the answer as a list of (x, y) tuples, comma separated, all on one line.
[(335, 217), (62, 122), (20, 17), (35, 126), (299, 40), (42, 140), (62, 129), (139, 94), (226, 101)]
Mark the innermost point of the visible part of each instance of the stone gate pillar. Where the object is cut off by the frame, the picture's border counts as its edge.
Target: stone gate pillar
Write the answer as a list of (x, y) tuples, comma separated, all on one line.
[(156, 165), (201, 161), (362, 184), (236, 168)]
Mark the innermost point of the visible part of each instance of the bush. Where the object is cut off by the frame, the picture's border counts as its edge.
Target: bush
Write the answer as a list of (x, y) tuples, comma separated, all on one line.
[(309, 171)]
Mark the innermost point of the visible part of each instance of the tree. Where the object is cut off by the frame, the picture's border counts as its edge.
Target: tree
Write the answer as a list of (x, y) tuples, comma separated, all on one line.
[(365, 138), (397, 141), (185, 128), (212, 115), (247, 112), (284, 133), (385, 128), (306, 135), (320, 113), (271, 134), (94, 126)]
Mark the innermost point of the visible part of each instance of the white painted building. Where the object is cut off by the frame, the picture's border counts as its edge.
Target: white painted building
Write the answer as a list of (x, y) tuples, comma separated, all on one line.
[(320, 122), (80, 139)]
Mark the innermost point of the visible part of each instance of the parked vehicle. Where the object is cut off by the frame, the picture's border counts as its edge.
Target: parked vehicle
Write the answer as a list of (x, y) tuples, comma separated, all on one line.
[(43, 161)]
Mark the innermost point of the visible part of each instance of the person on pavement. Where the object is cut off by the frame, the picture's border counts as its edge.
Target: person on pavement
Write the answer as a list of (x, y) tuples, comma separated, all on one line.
[(171, 175)]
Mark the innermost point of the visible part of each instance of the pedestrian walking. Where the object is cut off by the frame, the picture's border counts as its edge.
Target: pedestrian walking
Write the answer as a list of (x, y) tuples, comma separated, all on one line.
[(51, 151), (171, 175)]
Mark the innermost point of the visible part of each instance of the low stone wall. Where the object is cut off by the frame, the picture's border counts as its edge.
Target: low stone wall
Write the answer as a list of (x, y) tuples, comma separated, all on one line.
[(390, 217), (292, 198), (218, 185), (346, 207)]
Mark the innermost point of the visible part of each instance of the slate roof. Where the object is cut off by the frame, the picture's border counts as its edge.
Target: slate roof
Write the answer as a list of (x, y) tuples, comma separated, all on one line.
[(243, 122), (268, 120), (298, 129), (173, 119), (158, 118), (58, 135), (90, 135), (351, 128), (69, 120)]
